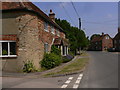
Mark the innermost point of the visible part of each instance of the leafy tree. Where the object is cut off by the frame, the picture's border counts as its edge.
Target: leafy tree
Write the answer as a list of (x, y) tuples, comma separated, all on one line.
[(76, 37), (94, 35)]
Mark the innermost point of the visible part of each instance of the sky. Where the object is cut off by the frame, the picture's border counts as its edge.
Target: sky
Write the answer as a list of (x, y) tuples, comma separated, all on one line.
[(96, 17)]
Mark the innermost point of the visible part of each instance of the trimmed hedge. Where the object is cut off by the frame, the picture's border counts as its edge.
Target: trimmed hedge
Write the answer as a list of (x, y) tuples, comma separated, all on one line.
[(51, 60)]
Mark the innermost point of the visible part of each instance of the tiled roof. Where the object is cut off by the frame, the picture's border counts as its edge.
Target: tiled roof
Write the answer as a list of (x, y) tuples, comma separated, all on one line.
[(98, 38), (117, 36), (59, 41), (30, 7)]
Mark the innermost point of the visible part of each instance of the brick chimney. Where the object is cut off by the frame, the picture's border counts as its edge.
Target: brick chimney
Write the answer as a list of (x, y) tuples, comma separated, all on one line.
[(102, 33), (52, 15)]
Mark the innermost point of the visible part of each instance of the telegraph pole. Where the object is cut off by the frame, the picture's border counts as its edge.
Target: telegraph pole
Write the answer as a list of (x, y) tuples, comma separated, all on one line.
[(80, 23)]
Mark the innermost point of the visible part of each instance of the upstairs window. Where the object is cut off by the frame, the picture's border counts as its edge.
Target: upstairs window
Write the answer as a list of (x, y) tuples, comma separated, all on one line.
[(57, 32), (52, 30), (107, 37), (46, 47), (46, 26), (7, 49)]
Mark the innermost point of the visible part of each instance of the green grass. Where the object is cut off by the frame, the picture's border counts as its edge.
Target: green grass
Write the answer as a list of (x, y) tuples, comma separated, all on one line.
[(75, 66)]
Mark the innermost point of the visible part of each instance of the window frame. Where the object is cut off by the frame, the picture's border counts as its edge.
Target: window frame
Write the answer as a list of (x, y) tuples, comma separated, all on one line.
[(8, 55), (46, 27), (52, 29), (57, 32), (46, 49)]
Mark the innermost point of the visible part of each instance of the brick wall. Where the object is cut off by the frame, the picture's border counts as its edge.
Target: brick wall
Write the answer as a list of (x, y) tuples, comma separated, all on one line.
[(31, 37)]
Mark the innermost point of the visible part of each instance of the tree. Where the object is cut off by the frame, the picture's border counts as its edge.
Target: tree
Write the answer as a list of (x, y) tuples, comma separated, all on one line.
[(94, 35), (76, 37)]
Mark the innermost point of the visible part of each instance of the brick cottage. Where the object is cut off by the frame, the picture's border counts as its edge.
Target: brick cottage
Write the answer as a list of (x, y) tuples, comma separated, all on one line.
[(101, 43), (27, 33)]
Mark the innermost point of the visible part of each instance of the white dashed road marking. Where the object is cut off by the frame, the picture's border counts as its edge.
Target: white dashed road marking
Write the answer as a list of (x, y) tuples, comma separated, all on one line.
[(76, 85), (67, 82), (64, 86)]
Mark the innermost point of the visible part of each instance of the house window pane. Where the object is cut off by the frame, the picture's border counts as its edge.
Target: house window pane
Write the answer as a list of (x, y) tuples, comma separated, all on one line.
[(12, 48), (52, 29), (4, 48), (46, 47), (45, 26)]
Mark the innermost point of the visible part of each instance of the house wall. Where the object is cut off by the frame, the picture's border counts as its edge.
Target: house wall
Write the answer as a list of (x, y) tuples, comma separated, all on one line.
[(31, 37), (107, 43), (29, 47)]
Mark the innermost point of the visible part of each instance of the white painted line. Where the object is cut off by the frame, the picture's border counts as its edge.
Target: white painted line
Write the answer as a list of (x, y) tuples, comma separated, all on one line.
[(64, 86), (68, 81), (71, 78), (77, 81), (81, 75), (75, 86)]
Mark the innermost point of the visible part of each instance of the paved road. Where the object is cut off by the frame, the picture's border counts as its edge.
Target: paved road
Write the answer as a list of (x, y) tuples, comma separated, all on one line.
[(102, 71)]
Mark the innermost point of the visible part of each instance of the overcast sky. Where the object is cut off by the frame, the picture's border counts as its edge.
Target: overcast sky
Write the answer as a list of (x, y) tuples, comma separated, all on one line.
[(97, 17)]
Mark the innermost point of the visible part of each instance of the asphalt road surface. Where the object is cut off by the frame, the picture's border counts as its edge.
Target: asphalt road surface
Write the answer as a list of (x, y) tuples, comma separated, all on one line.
[(102, 71)]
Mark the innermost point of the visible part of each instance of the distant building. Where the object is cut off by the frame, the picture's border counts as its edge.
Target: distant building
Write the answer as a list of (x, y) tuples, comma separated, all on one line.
[(28, 33), (101, 43), (116, 41)]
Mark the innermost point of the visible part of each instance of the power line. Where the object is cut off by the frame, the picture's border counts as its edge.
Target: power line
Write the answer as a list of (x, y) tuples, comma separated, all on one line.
[(67, 13), (75, 9)]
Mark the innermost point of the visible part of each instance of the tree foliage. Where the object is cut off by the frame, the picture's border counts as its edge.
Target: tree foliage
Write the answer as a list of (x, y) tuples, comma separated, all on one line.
[(76, 37), (94, 35)]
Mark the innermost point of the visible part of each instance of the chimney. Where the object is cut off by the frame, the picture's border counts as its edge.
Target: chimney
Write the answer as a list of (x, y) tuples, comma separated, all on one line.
[(52, 15), (102, 33), (118, 29)]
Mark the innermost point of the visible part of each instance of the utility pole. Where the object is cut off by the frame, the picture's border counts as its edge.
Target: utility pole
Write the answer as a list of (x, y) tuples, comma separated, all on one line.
[(80, 23)]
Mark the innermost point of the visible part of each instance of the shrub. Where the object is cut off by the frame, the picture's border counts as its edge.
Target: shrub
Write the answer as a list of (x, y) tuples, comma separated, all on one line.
[(4, 52), (50, 61), (67, 58), (28, 67), (55, 50)]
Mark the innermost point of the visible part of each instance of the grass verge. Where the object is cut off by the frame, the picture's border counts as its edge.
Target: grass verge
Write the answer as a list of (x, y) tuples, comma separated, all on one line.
[(75, 66)]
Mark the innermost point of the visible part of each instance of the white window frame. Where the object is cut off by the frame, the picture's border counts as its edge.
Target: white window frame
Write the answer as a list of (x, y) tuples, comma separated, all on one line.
[(46, 27), (46, 50), (8, 49), (57, 32), (52, 30)]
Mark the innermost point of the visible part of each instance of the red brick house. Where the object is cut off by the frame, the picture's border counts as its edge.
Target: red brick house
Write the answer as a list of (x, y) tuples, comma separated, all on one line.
[(116, 41), (27, 33), (102, 42)]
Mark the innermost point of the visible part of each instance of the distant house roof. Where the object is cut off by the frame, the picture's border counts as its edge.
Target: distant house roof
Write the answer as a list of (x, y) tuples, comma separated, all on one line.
[(29, 6), (99, 38), (117, 36)]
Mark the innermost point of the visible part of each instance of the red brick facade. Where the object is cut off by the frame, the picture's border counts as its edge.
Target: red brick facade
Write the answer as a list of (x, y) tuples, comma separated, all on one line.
[(28, 32), (101, 43)]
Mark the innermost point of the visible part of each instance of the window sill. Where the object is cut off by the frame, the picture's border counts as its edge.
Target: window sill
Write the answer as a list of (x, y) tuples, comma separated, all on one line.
[(12, 56), (53, 33), (46, 30)]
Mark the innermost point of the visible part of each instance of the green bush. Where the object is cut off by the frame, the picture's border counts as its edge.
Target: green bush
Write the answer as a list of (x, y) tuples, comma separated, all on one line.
[(55, 50), (50, 61), (28, 67)]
